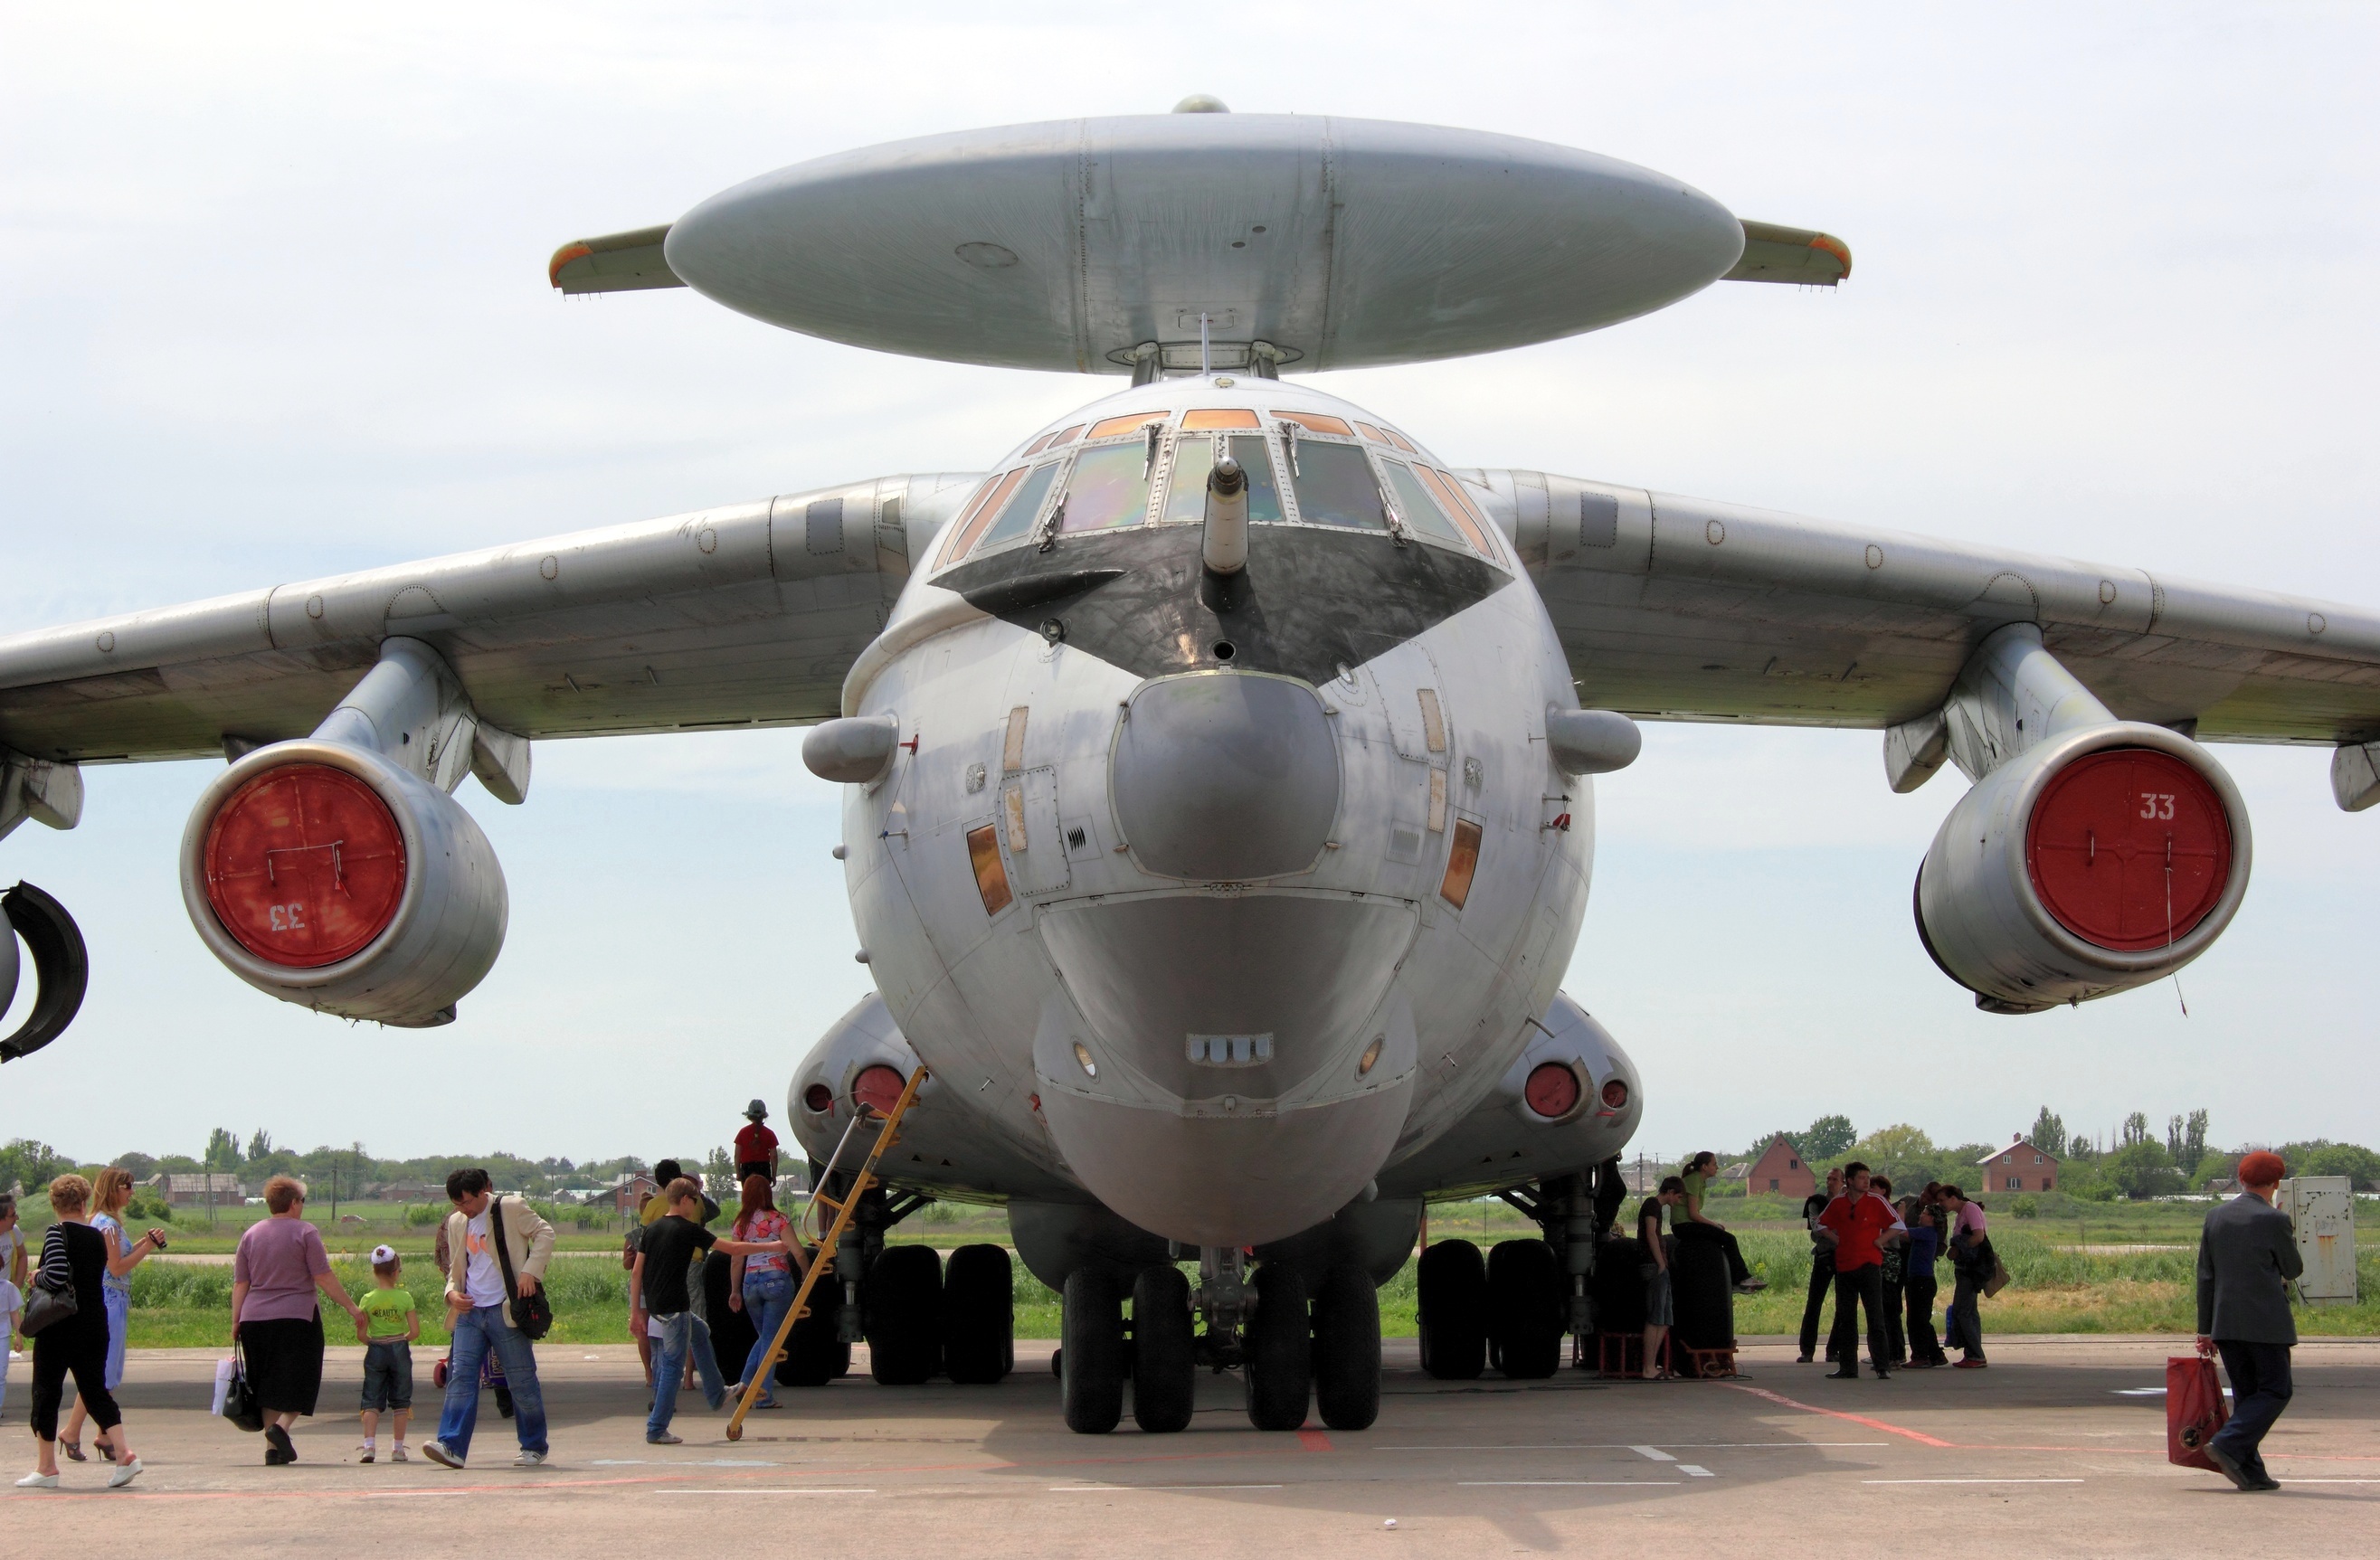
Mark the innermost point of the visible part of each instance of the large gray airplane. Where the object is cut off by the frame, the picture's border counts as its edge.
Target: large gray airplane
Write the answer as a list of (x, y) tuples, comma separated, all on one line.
[(1217, 762)]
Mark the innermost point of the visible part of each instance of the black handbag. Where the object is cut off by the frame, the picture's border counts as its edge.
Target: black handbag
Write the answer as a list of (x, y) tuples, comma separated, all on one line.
[(46, 1307), (240, 1406), (534, 1314)]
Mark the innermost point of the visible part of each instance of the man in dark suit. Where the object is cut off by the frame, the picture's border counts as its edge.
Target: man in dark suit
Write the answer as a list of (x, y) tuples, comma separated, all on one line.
[(1822, 1265), (2246, 1256)]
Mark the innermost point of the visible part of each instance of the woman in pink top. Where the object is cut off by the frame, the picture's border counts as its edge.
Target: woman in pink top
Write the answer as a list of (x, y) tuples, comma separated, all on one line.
[(761, 1283), (279, 1265)]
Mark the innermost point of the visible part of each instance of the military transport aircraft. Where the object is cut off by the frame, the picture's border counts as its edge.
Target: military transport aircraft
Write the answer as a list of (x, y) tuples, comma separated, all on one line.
[(1217, 762)]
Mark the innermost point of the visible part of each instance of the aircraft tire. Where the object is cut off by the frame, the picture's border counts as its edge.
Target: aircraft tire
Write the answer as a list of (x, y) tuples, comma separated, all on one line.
[(902, 1297), (1279, 1367), (1525, 1309), (978, 1315), (1347, 1350), (1451, 1283), (1090, 1353), (1164, 1366), (814, 1355)]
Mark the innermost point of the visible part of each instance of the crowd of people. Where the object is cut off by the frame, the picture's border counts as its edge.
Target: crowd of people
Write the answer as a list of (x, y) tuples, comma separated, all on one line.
[(492, 1251), (1877, 1255)]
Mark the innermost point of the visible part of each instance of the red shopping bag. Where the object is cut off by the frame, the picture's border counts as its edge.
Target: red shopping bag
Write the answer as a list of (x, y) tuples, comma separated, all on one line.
[(2195, 1410)]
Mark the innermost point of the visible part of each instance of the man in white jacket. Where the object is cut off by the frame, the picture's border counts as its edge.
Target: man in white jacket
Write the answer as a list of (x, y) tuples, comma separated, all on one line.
[(479, 1309)]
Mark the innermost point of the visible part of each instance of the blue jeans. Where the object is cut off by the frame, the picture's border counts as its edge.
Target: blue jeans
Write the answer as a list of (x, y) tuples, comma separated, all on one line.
[(117, 1303), (2260, 1390), (479, 1333), (681, 1331), (765, 1300)]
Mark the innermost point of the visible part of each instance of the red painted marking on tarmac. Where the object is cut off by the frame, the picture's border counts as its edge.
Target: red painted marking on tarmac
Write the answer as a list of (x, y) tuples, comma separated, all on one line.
[(1919, 1436), (1314, 1440)]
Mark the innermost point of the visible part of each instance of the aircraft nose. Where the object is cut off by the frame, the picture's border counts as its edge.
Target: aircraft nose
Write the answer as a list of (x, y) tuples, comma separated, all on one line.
[(1225, 777)]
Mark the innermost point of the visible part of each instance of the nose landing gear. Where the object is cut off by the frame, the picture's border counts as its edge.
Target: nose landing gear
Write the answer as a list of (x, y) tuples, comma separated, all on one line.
[(1298, 1347)]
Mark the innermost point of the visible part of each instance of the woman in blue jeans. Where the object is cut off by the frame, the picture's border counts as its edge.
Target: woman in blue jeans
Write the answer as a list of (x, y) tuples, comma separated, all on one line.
[(761, 1283)]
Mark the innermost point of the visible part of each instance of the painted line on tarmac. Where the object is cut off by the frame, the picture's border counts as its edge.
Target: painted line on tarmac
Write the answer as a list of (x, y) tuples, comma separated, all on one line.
[(789, 1490), (1313, 1441), (1917, 1435), (1132, 1489), (1971, 1481), (1566, 1484), (1652, 1452), (1625, 1445), (1696, 1471)]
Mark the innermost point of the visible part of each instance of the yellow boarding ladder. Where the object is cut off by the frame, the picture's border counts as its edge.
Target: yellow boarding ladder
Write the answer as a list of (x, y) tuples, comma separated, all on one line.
[(885, 1138)]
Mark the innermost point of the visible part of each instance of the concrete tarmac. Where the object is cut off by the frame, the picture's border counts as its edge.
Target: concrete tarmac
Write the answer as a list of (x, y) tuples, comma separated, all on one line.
[(2058, 1447)]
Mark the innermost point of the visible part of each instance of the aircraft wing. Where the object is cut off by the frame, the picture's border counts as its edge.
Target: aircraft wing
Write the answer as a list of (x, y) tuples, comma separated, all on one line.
[(745, 616), (1679, 608)]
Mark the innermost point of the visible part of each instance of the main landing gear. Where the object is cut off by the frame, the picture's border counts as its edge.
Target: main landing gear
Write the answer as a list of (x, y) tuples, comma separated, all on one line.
[(1295, 1348)]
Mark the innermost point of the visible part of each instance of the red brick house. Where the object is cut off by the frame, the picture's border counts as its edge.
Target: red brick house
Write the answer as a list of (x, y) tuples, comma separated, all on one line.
[(1779, 1170), (2019, 1168)]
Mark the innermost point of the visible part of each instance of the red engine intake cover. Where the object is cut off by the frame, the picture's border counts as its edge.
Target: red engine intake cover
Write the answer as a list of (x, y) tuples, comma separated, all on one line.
[(305, 865), (1552, 1090), (879, 1086), (2129, 848)]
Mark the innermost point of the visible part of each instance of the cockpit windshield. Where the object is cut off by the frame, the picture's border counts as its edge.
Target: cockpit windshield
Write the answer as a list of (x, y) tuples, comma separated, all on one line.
[(1193, 457), (1335, 486), (1304, 468)]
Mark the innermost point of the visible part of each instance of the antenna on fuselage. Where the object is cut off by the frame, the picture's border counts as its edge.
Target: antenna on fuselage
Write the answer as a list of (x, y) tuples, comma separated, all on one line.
[(1202, 343)]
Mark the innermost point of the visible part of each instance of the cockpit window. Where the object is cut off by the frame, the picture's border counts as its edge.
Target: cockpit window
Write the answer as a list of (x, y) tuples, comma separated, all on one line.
[(1023, 507), (1421, 510), (1218, 417), (979, 514), (1458, 503), (1039, 444), (1131, 424), (1315, 422), (1367, 430), (1109, 487), (1335, 486), (1193, 457), (1064, 436)]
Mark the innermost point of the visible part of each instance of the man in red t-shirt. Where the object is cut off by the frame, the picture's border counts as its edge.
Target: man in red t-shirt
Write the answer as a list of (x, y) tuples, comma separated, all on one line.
[(1862, 1222), (755, 1146)]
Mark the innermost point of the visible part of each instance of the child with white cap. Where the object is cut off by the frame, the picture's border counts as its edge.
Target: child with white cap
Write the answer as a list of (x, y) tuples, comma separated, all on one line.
[(389, 1326)]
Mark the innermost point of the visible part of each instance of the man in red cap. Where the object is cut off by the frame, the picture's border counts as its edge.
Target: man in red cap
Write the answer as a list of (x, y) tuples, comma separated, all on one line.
[(2246, 1257)]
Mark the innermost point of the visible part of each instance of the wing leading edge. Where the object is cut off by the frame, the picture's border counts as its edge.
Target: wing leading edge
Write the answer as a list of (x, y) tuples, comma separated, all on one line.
[(749, 615), (1681, 609)]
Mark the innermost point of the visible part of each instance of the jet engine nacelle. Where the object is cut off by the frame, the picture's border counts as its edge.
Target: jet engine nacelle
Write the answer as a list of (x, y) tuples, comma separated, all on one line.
[(2100, 860), (326, 875)]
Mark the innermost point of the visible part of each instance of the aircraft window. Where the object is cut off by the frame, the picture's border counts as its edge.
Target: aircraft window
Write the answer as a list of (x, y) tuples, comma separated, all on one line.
[(1110, 488), (1367, 430), (1458, 503), (1064, 436), (1315, 422), (1335, 487), (1461, 865), (1400, 441), (1039, 444), (977, 515), (1017, 515), (1218, 416), (1194, 458), (1421, 510), (991, 876), (1131, 424)]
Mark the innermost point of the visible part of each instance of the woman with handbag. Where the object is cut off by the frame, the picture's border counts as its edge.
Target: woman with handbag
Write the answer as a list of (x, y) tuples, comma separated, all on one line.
[(109, 1196), (67, 1319), (274, 1273)]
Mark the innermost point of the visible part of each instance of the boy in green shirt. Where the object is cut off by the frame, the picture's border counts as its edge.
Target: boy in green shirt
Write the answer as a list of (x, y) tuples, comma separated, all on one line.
[(388, 1326)]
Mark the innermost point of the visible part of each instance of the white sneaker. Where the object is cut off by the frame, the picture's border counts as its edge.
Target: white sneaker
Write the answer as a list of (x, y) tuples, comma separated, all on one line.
[(38, 1481), (124, 1473), (437, 1453), (397, 1452), (529, 1460)]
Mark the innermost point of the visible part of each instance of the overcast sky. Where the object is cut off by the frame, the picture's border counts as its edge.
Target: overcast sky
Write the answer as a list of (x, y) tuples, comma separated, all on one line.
[(272, 304)]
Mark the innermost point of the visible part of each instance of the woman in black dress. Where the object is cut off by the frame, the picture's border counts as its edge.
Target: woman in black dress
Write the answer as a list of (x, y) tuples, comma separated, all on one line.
[(74, 1255)]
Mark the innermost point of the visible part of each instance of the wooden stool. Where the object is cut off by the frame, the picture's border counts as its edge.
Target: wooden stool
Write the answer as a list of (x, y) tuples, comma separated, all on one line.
[(1706, 1364)]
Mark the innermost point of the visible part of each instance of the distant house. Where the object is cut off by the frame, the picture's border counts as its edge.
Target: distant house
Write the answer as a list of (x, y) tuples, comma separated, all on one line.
[(628, 1194), (406, 1191), (2020, 1167), (191, 1190), (1779, 1170)]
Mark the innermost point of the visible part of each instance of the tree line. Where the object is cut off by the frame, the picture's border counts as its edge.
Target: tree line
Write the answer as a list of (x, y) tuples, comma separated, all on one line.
[(353, 1170), (2132, 1161)]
